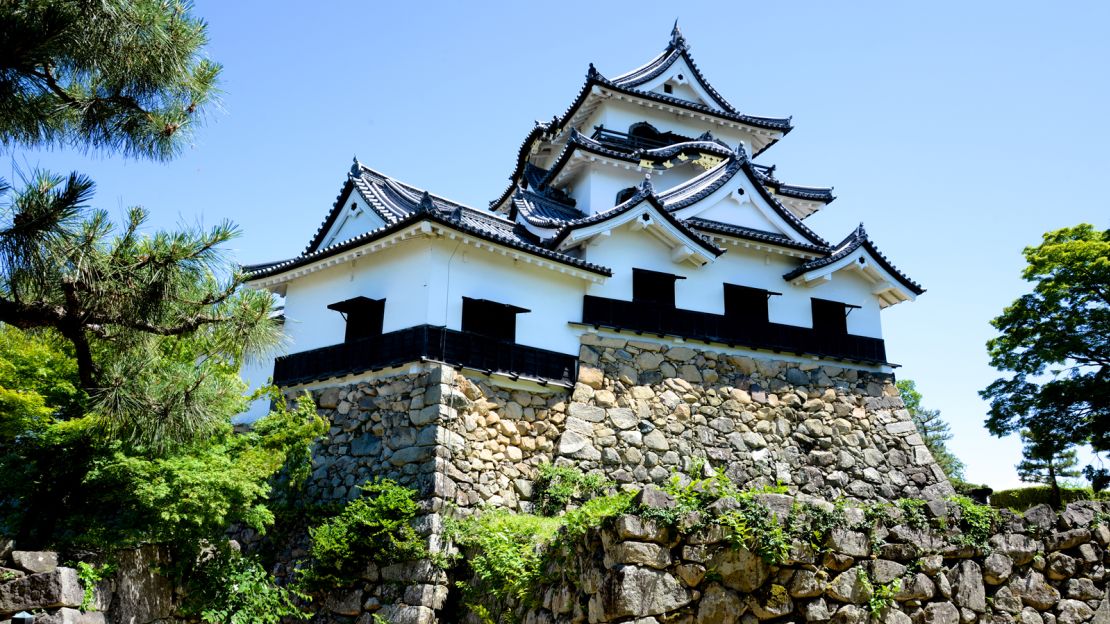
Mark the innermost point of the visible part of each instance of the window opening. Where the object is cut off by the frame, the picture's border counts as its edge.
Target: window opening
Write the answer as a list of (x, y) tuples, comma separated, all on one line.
[(490, 318), (746, 304), (831, 317), (654, 287), (364, 317), (625, 194)]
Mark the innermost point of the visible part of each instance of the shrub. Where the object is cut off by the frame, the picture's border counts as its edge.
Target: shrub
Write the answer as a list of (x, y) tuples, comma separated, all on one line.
[(376, 527), (753, 526), (976, 522), (1020, 499), (230, 588), (556, 487)]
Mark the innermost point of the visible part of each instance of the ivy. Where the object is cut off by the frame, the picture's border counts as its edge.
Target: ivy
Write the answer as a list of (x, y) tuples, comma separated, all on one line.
[(230, 588), (90, 575), (913, 512), (881, 596), (557, 487), (751, 526), (976, 522)]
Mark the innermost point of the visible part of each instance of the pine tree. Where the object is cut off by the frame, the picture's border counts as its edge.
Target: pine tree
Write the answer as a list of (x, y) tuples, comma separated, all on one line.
[(1046, 460), (934, 431)]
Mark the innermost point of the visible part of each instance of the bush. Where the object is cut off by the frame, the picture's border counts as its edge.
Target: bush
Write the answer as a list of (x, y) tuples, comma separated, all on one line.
[(376, 527), (230, 588), (556, 487), (1020, 499)]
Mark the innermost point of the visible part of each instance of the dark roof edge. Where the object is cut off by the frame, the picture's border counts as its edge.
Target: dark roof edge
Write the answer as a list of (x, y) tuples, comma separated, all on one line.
[(412, 219), (858, 238)]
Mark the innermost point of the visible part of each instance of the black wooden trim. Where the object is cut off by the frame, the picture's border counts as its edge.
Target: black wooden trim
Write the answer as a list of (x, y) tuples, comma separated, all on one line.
[(707, 327), (422, 342)]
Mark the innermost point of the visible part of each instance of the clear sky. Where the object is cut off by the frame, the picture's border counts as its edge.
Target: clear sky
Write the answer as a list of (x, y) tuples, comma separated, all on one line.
[(957, 131)]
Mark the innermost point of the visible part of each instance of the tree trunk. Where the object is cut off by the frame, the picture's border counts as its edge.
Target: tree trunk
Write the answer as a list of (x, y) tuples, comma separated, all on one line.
[(1057, 499)]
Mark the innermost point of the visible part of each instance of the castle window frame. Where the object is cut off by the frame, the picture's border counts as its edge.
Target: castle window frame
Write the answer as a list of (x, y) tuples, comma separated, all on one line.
[(491, 319), (831, 317), (746, 304), (654, 287), (364, 317)]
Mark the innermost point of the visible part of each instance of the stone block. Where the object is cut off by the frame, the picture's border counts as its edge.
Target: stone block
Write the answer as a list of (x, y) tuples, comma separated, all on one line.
[(405, 614), (632, 591), (740, 569), (34, 561), (968, 590), (59, 587), (638, 553), (142, 594), (1066, 539), (719, 605)]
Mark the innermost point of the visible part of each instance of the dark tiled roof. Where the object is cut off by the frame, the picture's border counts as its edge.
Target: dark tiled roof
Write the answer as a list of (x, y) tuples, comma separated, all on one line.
[(736, 231), (644, 193), (679, 49), (697, 189), (766, 174), (542, 211), (858, 238), (411, 205)]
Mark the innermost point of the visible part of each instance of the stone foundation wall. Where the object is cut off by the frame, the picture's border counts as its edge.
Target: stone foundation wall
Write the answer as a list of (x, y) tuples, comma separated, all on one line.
[(639, 412), (1040, 569)]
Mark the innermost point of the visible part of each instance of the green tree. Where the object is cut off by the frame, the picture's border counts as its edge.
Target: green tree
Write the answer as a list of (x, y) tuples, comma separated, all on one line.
[(1046, 460), (126, 76), (1056, 343), (935, 432)]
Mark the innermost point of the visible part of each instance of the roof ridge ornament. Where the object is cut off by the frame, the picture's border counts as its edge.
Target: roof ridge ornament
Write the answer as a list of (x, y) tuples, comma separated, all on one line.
[(356, 166), (677, 40), (426, 204), (592, 72), (645, 186)]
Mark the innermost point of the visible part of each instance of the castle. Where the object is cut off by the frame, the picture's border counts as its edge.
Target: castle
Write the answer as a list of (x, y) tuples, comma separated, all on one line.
[(642, 293)]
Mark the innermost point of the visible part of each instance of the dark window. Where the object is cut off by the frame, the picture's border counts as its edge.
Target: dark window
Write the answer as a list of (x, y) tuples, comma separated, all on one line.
[(830, 317), (667, 88), (746, 304), (625, 195), (653, 287), (490, 318), (643, 130), (363, 316)]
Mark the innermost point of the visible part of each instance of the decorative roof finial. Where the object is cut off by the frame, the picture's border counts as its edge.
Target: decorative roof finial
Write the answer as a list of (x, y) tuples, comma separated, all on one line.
[(426, 204), (677, 40), (592, 72), (456, 213), (356, 167), (645, 186)]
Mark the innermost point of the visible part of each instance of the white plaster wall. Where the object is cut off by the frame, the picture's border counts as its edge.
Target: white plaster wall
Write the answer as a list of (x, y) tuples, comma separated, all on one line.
[(596, 185), (703, 288), (351, 223), (400, 274), (553, 298)]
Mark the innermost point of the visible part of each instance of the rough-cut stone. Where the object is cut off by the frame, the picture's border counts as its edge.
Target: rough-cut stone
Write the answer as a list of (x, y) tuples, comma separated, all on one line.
[(740, 569), (850, 587), (771, 602), (941, 613), (344, 603), (1060, 566), (997, 568), (34, 561), (1066, 540), (719, 605), (631, 591), (57, 588), (142, 593), (1019, 548), (1036, 592), (968, 590), (851, 543), (1073, 612), (806, 584), (640, 553), (405, 614), (634, 527)]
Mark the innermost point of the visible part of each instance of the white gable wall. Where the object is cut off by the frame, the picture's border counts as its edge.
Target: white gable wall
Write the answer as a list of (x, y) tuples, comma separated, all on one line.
[(619, 115), (352, 222), (703, 288)]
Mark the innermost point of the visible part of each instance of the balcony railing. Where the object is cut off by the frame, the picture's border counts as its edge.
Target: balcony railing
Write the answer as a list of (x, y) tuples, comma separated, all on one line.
[(424, 341), (627, 142), (636, 316)]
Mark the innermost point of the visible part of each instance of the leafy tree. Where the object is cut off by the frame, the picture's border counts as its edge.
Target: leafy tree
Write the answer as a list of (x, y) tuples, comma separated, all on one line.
[(1046, 460), (124, 76), (935, 432), (1056, 342)]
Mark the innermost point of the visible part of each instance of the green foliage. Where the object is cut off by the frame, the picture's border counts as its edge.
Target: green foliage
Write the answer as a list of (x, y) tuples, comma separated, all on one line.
[(812, 524), (913, 512), (1020, 499), (230, 588), (556, 487), (119, 75), (935, 432), (751, 526), (881, 596), (38, 381), (1046, 459), (1056, 343), (377, 527), (976, 522), (90, 575), (508, 552), (691, 495)]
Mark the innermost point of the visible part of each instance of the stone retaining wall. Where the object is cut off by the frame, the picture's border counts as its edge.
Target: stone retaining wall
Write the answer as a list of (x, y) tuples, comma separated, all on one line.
[(1038, 569)]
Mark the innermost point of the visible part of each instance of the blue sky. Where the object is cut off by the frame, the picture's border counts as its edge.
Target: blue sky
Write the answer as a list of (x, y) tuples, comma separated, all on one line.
[(958, 132)]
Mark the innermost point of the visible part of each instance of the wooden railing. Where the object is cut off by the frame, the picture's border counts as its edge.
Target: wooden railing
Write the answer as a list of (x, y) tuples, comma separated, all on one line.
[(654, 319), (424, 342)]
